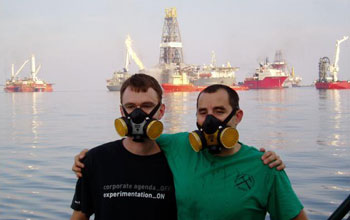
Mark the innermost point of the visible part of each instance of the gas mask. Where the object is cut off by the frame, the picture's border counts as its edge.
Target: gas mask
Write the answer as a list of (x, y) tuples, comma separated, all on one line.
[(139, 125), (214, 135)]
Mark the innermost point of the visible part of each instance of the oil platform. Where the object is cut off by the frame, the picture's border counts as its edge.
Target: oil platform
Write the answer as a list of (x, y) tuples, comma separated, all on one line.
[(176, 75)]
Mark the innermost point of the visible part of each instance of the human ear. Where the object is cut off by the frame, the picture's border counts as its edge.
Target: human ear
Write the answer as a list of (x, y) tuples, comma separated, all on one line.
[(161, 111), (239, 116), (121, 110)]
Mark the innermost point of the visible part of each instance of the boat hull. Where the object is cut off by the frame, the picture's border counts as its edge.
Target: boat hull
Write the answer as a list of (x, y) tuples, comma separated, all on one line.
[(333, 85), (114, 88), (29, 88), (115, 83), (167, 87), (200, 88), (269, 82), (217, 80)]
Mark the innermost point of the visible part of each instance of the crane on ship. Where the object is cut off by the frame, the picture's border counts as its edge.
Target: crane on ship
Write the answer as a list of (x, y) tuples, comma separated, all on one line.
[(334, 68), (35, 70), (13, 74), (114, 84), (131, 53)]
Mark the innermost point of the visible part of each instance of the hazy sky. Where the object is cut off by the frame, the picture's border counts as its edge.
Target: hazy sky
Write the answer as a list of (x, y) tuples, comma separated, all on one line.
[(80, 43)]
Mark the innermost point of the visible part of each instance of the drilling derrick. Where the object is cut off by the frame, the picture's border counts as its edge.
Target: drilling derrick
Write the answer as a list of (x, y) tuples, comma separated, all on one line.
[(171, 45)]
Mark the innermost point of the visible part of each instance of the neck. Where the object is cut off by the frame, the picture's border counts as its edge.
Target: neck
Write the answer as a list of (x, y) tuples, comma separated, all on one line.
[(227, 152), (145, 148)]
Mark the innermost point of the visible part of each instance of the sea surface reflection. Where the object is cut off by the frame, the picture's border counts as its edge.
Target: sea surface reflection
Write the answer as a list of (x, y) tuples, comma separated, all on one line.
[(41, 132)]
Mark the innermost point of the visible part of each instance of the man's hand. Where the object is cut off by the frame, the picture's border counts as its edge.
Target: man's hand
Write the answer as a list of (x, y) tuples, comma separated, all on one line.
[(301, 216), (272, 159), (78, 165), (78, 215)]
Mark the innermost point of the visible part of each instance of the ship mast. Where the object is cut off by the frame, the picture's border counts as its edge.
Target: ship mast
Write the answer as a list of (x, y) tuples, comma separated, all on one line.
[(334, 69)]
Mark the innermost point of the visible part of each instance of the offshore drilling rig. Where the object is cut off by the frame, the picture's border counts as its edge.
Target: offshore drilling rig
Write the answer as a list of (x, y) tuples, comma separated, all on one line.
[(174, 73), (171, 45)]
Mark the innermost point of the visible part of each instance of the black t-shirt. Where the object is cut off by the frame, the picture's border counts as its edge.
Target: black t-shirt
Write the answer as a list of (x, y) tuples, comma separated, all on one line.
[(117, 184)]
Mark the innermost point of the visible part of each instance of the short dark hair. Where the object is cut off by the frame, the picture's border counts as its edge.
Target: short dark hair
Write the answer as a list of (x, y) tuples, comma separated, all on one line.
[(232, 94), (140, 82)]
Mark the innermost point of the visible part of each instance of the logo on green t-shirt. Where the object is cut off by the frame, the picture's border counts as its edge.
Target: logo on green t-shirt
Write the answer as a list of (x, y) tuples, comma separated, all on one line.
[(244, 182)]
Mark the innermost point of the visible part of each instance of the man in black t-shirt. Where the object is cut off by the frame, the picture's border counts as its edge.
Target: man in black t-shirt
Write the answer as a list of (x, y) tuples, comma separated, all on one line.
[(129, 178)]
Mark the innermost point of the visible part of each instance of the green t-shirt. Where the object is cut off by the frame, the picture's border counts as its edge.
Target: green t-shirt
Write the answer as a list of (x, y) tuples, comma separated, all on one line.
[(239, 186)]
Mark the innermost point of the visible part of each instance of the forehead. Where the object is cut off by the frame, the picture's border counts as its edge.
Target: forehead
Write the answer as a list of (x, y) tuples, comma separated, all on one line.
[(210, 100), (131, 96)]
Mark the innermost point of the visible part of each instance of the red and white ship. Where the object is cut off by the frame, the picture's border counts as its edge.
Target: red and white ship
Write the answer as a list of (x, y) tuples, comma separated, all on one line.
[(267, 76), (328, 73), (27, 84)]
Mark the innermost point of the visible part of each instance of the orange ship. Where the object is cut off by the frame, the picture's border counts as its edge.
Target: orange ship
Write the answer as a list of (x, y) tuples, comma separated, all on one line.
[(168, 87), (27, 84)]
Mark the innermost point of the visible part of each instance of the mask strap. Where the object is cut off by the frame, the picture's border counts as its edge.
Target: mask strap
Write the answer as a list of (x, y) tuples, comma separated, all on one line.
[(126, 114), (228, 118), (150, 114), (198, 126), (154, 110)]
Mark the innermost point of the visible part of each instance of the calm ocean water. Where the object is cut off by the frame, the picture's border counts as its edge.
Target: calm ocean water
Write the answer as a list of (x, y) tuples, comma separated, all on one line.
[(41, 132)]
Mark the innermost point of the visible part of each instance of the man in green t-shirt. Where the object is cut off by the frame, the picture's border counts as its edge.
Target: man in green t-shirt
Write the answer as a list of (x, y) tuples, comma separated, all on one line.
[(225, 183), (225, 179)]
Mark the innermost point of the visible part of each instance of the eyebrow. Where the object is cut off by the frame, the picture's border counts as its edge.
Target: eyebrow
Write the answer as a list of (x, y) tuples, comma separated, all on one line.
[(222, 108), (219, 108), (143, 103)]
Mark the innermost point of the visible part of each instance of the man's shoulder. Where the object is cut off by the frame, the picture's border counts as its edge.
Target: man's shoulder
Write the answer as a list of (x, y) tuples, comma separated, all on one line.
[(173, 142), (251, 155), (172, 137), (179, 134), (105, 148), (251, 150)]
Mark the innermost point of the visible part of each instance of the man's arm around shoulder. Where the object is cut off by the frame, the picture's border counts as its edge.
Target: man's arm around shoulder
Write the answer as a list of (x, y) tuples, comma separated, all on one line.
[(301, 216), (78, 215)]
